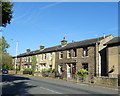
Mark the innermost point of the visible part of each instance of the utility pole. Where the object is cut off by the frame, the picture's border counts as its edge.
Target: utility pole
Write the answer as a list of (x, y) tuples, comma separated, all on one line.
[(16, 55)]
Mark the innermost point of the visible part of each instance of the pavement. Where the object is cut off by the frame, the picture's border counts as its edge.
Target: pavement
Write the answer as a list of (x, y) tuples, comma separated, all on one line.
[(19, 84), (80, 83)]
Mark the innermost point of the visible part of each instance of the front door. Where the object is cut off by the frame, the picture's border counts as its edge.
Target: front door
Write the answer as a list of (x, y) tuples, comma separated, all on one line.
[(60, 69), (68, 70)]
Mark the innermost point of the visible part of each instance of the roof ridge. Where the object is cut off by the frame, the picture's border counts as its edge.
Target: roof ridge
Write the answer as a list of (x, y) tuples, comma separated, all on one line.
[(89, 39)]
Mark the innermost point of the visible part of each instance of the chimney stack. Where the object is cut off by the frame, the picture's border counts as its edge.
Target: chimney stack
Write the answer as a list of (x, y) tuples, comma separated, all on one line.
[(41, 47), (104, 35), (28, 50), (63, 42)]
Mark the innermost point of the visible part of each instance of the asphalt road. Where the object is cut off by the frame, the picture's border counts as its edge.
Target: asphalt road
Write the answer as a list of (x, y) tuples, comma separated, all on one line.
[(14, 84)]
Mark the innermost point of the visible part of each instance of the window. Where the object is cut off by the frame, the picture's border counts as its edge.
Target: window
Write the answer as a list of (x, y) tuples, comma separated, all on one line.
[(68, 54), (45, 56), (85, 51), (74, 52), (50, 56), (85, 66), (30, 59), (42, 56), (27, 59), (60, 67), (60, 55)]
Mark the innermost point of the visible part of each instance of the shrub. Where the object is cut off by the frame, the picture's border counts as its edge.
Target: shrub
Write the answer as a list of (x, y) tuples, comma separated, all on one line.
[(17, 69), (43, 71), (27, 71), (49, 70), (82, 72)]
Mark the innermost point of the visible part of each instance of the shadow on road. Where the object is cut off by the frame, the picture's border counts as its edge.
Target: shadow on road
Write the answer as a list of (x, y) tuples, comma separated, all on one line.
[(15, 85)]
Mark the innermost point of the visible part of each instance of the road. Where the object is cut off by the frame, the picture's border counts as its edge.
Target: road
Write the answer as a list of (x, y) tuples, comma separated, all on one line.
[(16, 84)]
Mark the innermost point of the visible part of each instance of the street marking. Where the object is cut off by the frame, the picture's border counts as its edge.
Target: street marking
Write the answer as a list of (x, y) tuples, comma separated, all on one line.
[(50, 90)]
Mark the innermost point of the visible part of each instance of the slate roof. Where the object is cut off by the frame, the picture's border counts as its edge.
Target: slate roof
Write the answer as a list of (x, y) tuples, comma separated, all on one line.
[(83, 43), (115, 40)]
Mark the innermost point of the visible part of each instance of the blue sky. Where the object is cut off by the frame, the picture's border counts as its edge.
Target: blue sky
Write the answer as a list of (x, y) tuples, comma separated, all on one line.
[(46, 23)]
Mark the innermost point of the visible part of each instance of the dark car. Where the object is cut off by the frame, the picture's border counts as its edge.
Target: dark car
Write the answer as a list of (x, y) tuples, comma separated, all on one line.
[(4, 71)]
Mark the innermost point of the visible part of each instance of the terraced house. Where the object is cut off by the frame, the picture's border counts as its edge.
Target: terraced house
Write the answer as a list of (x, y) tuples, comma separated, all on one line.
[(46, 58), (85, 54), (24, 60), (68, 58)]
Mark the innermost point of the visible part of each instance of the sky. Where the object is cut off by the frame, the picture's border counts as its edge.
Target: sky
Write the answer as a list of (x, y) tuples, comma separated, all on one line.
[(46, 23)]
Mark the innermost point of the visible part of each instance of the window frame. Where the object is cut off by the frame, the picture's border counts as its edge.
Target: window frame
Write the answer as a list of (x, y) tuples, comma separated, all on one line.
[(61, 55), (85, 52), (74, 52), (69, 53)]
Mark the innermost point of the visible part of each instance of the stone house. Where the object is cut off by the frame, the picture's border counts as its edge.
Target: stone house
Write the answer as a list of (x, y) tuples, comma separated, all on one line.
[(46, 58), (23, 60), (70, 57), (113, 57)]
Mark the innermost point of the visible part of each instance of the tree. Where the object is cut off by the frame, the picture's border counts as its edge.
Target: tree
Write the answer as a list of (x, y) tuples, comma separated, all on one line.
[(5, 57), (4, 45), (6, 13), (7, 61), (34, 62)]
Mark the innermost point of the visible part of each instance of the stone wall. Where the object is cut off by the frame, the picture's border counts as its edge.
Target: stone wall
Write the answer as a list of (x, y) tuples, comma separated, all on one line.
[(112, 57), (90, 59), (106, 81), (14, 72)]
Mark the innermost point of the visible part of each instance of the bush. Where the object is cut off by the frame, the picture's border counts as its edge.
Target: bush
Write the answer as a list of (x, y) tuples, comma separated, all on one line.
[(27, 71), (43, 71), (82, 72), (17, 69), (49, 70)]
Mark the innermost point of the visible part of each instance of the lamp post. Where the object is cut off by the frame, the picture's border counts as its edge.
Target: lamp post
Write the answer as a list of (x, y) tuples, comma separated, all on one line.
[(16, 54)]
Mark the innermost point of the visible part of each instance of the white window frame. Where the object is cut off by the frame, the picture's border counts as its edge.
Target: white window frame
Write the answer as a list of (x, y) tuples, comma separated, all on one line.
[(85, 52), (27, 59), (50, 58), (45, 56), (60, 53), (74, 52), (68, 53), (30, 58)]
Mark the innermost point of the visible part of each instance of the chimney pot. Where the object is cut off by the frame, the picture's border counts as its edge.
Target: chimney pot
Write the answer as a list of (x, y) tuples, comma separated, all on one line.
[(41, 47), (28, 50), (63, 42)]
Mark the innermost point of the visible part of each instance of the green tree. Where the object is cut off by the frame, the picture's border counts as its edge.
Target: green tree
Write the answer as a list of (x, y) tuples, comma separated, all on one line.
[(6, 13), (34, 62), (7, 61), (4, 56), (4, 45)]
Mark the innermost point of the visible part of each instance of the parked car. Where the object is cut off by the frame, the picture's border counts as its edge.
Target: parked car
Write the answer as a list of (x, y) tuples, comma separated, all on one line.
[(4, 71)]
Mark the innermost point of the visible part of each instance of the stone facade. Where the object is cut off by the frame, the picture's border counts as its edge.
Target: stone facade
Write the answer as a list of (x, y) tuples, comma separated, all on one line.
[(101, 55), (23, 62), (77, 62), (68, 58), (45, 61), (112, 57)]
